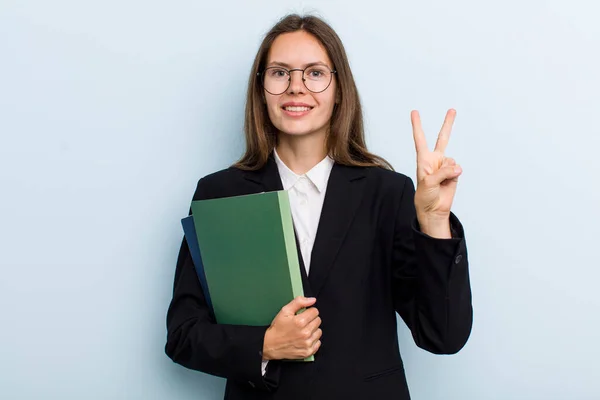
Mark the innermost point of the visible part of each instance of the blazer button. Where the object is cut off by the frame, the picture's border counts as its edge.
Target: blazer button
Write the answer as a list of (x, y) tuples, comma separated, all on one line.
[(458, 259)]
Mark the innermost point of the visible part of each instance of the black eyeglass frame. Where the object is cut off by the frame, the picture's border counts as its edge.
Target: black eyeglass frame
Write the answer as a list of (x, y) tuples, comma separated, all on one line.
[(289, 72)]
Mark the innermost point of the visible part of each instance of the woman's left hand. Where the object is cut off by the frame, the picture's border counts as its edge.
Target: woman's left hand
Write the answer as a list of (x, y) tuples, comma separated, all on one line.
[(437, 178)]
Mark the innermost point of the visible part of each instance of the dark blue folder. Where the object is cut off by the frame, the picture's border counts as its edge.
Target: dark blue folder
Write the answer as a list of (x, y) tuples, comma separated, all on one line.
[(192, 240)]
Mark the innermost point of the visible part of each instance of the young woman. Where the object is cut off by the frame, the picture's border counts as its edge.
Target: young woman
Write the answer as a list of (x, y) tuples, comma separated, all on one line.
[(370, 245)]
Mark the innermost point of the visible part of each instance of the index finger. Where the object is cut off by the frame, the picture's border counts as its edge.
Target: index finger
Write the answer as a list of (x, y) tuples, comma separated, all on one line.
[(444, 135), (418, 134)]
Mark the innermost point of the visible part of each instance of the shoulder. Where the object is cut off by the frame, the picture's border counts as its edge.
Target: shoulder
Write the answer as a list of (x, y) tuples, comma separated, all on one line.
[(221, 177), (217, 184), (387, 179)]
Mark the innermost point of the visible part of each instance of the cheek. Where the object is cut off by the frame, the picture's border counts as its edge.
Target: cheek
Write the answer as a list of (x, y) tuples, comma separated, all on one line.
[(326, 103), (272, 106)]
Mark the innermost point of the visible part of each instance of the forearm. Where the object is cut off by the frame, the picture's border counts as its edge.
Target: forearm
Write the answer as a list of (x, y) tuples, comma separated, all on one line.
[(228, 351), (443, 297), (430, 279), (196, 341)]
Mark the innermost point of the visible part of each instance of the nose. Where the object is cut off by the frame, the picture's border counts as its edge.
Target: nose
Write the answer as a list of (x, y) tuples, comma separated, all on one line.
[(296, 81)]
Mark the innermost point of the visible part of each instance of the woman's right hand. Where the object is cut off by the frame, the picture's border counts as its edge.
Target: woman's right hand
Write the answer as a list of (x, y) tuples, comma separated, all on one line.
[(292, 336)]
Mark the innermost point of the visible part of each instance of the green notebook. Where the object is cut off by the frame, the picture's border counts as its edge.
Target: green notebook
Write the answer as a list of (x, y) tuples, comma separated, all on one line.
[(249, 256)]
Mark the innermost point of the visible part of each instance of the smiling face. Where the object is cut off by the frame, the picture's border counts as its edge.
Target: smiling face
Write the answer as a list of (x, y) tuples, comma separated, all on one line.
[(298, 111)]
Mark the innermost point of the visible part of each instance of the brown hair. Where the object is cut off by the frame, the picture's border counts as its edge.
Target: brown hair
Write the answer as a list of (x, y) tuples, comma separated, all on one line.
[(345, 138)]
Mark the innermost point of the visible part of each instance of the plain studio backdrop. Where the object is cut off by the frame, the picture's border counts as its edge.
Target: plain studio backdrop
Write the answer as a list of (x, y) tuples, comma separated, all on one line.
[(110, 111)]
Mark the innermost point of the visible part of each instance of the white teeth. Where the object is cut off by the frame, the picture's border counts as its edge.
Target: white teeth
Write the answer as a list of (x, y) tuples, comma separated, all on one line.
[(297, 109)]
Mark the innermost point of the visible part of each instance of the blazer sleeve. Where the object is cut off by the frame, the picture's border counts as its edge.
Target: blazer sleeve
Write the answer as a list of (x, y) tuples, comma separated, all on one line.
[(430, 281), (197, 342)]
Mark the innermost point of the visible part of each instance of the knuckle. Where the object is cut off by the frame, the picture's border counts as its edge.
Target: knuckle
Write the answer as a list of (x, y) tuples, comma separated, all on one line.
[(305, 334)]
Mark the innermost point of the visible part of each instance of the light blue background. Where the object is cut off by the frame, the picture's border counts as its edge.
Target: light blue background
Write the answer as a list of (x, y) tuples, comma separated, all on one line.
[(111, 110)]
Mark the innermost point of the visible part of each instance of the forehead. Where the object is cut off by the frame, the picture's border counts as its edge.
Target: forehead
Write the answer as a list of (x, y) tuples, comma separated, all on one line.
[(297, 49)]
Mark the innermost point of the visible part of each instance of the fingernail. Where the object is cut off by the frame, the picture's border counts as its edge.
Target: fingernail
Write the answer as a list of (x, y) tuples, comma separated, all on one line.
[(457, 169)]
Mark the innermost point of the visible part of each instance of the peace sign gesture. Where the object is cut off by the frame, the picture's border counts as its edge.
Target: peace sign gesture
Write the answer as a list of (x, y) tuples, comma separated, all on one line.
[(437, 178)]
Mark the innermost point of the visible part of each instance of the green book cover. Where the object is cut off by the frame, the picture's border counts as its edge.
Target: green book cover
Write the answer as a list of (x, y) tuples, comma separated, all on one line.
[(249, 254)]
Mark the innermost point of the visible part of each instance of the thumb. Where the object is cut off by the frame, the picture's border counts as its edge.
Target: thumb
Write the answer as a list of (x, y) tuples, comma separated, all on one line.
[(299, 303), (450, 172)]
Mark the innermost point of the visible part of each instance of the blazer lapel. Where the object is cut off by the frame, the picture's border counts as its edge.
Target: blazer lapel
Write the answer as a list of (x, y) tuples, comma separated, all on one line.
[(268, 178), (342, 198)]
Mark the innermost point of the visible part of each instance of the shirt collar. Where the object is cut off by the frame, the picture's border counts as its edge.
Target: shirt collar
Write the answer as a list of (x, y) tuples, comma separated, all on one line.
[(318, 175)]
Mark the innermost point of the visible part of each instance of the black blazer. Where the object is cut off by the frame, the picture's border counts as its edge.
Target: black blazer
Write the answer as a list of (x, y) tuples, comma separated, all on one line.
[(369, 261)]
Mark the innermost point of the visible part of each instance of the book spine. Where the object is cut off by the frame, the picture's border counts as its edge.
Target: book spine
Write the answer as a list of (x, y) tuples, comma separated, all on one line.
[(291, 250), (290, 243)]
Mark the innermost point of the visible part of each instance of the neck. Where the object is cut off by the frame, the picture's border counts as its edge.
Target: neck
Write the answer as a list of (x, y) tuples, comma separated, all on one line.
[(301, 153)]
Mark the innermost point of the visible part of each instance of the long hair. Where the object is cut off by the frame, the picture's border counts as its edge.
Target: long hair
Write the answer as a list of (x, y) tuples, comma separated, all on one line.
[(345, 136)]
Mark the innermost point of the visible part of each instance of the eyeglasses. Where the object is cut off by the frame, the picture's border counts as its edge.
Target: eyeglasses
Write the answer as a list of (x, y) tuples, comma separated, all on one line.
[(277, 80)]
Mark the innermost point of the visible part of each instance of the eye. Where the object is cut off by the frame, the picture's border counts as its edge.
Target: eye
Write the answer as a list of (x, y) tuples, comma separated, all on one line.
[(277, 73), (315, 73)]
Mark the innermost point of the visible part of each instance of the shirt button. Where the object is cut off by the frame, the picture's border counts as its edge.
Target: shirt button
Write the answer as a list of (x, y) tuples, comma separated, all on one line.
[(458, 259), (302, 202)]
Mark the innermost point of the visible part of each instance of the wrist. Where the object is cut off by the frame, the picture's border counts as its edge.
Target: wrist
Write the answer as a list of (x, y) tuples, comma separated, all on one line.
[(436, 226), (266, 351)]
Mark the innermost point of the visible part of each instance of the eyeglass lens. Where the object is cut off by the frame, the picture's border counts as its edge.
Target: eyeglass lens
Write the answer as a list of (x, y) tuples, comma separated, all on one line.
[(276, 80)]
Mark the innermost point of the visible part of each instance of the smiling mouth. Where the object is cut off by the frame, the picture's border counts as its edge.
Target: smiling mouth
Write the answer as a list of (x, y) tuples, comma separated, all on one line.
[(297, 109)]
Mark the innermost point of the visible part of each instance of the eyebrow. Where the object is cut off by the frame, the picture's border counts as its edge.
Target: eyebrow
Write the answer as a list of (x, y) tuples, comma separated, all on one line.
[(282, 64)]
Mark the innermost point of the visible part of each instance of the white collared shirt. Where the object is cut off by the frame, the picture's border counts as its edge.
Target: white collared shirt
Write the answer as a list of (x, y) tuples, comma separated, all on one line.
[(306, 193)]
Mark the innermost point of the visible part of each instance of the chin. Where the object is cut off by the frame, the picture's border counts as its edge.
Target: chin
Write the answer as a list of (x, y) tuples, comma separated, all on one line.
[(292, 130), (295, 132)]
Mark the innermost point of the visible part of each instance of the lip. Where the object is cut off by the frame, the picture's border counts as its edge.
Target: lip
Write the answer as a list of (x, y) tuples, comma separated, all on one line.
[(295, 113)]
